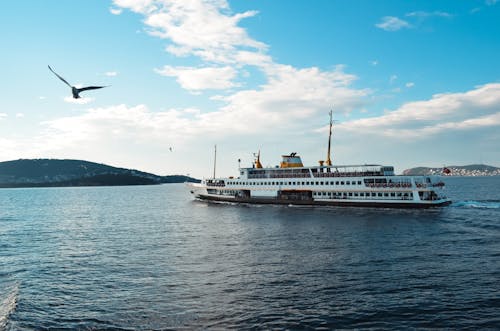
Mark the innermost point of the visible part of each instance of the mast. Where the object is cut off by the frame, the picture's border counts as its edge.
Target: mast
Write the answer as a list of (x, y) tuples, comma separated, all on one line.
[(215, 158), (328, 160)]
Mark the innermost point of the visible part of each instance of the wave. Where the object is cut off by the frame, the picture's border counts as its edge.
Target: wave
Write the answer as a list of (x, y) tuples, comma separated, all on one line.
[(481, 204), (8, 304)]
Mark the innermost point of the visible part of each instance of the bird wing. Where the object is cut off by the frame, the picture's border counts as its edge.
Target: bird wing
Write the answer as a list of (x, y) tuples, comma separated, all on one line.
[(90, 88), (60, 77)]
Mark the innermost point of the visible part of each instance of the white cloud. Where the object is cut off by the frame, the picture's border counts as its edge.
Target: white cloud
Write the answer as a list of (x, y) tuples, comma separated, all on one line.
[(374, 63), (444, 112), (195, 79), (424, 14), (289, 98), (410, 84), (138, 6), (391, 23), (200, 28), (3, 115), (115, 11), (19, 115), (111, 73), (393, 78)]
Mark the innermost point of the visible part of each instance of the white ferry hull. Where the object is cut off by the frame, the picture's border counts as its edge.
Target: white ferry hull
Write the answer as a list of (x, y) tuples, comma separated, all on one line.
[(200, 193)]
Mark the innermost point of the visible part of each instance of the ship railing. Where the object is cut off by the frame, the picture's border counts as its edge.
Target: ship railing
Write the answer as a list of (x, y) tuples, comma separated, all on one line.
[(391, 185), (298, 175), (216, 184), (291, 175), (348, 174)]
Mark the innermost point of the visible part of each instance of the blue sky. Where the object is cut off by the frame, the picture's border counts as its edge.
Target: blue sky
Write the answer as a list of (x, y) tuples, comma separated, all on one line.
[(411, 83)]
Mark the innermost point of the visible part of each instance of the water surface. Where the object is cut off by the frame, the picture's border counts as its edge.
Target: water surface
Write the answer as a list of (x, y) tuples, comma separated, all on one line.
[(149, 257)]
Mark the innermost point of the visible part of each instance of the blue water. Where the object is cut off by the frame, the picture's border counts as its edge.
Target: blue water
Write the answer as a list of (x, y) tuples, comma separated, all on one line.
[(149, 257)]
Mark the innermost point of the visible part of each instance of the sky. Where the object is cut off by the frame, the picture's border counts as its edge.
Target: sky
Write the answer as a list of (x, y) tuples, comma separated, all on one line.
[(410, 83)]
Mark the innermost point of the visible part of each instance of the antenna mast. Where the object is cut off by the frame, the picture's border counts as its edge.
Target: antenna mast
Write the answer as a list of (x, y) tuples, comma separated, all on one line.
[(215, 158), (328, 160)]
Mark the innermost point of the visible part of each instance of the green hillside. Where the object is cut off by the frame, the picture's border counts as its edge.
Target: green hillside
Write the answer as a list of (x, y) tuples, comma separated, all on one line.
[(55, 172)]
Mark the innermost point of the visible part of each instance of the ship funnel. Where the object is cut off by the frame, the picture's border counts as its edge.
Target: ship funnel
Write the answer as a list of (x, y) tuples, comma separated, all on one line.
[(291, 161)]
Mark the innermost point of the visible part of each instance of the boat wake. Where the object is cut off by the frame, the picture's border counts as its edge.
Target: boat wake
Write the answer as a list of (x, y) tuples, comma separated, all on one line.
[(481, 204), (8, 304)]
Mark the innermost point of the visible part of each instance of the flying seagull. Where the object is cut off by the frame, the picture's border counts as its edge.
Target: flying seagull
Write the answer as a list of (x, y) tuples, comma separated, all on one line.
[(75, 90)]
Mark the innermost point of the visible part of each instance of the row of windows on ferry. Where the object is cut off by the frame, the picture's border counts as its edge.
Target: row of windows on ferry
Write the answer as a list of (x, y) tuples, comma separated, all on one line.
[(353, 182), (400, 195)]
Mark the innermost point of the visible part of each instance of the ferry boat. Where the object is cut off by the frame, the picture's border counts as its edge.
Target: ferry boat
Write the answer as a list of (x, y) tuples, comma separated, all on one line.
[(292, 183)]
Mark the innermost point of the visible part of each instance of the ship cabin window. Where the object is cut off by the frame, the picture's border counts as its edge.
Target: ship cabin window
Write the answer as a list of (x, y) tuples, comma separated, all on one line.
[(355, 194), (379, 194), (289, 183), (386, 194), (393, 194), (374, 194), (348, 183), (341, 183), (336, 183), (361, 194), (350, 194), (322, 183), (359, 182)]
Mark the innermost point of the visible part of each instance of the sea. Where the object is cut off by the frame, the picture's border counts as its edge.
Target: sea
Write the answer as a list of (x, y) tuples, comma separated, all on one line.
[(152, 258)]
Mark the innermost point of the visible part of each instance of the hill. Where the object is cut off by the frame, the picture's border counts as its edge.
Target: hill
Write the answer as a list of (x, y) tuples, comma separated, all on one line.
[(468, 170), (55, 172)]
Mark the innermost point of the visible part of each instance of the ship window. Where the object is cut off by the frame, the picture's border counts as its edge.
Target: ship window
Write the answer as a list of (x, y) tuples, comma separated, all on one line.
[(294, 183), (289, 183), (341, 183), (322, 183), (336, 183), (355, 194), (374, 194), (359, 182), (350, 194), (380, 194), (386, 194), (393, 194)]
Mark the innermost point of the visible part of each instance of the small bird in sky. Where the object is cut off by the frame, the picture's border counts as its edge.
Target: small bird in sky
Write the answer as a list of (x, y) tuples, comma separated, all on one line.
[(75, 90)]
